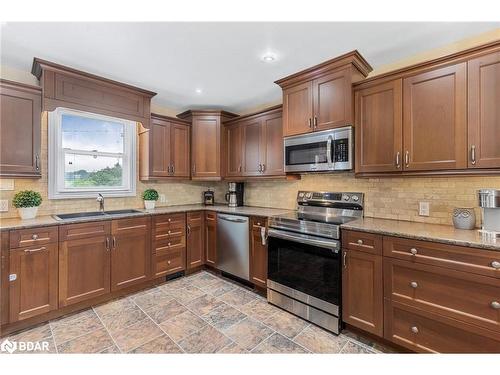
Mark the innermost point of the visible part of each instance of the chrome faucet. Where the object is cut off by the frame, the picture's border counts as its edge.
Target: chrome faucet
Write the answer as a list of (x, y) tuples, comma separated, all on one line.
[(100, 199)]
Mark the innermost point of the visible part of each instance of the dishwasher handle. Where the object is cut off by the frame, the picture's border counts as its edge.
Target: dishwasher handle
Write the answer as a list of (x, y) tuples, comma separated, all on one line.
[(231, 219)]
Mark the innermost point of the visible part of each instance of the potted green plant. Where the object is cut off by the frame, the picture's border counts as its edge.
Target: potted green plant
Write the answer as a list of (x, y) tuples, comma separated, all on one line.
[(27, 202), (150, 197)]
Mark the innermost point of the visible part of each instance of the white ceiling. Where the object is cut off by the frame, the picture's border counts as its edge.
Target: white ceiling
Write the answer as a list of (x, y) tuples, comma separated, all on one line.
[(223, 59)]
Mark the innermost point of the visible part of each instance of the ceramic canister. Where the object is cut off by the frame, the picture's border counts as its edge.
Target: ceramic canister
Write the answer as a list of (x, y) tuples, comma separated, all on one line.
[(464, 218)]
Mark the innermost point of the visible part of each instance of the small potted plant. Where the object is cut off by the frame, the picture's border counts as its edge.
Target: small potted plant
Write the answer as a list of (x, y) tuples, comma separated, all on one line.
[(150, 197), (27, 202)]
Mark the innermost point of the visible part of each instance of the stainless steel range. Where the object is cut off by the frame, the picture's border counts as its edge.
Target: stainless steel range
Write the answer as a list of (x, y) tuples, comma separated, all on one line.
[(304, 256)]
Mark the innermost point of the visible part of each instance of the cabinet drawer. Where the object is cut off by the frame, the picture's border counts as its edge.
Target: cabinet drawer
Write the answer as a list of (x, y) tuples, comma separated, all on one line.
[(470, 298), (174, 222), (170, 261), (84, 230), (429, 333), (258, 221), (33, 236), (367, 242), (131, 226), (212, 216), (166, 245), (467, 259)]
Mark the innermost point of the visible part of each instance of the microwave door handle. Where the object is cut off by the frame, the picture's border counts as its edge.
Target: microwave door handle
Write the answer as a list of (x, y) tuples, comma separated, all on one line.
[(329, 150)]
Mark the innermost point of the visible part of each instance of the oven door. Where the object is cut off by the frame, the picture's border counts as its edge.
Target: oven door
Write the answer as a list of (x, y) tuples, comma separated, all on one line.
[(307, 264)]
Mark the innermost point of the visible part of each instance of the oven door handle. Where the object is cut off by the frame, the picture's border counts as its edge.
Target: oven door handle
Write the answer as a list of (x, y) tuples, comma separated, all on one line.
[(303, 238), (329, 150)]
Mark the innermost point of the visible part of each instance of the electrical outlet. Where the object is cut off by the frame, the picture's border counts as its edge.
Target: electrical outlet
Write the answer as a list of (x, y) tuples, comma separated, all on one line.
[(163, 199), (4, 205), (423, 208)]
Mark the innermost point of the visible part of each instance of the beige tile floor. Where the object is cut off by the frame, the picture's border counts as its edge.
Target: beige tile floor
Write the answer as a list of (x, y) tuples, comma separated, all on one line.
[(201, 313)]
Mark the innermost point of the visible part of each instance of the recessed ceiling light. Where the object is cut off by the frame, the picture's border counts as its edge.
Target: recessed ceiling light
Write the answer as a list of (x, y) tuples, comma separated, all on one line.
[(269, 57), (198, 91)]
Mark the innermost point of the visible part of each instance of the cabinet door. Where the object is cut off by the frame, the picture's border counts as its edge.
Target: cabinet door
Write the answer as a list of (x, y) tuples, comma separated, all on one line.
[(211, 238), (379, 128), (252, 149), (362, 297), (272, 162), (332, 98), (4, 278), (206, 147), (34, 291), (434, 119), (179, 145), (195, 239), (160, 141), (20, 127), (297, 109), (258, 252), (234, 150), (130, 252), (484, 111), (84, 269)]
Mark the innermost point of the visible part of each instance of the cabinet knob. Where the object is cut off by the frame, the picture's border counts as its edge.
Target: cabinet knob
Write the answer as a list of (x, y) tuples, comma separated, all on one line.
[(168, 244), (360, 242), (169, 232), (495, 305), (168, 262), (34, 237), (414, 284), (169, 220), (495, 265), (414, 329), (413, 251)]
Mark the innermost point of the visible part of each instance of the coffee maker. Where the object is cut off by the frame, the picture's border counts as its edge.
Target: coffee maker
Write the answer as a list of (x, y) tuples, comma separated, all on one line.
[(234, 195), (489, 201)]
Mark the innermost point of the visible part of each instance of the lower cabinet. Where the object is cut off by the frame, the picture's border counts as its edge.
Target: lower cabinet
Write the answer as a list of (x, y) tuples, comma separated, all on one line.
[(169, 244), (130, 252), (362, 297), (258, 251), (33, 290), (211, 238), (195, 251), (84, 261)]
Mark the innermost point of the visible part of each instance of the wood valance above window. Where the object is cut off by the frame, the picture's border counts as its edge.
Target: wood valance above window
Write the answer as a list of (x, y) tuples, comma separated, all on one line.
[(74, 89)]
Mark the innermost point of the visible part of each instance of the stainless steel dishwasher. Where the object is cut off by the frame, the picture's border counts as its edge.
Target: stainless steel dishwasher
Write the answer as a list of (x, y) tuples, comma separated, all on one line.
[(233, 245)]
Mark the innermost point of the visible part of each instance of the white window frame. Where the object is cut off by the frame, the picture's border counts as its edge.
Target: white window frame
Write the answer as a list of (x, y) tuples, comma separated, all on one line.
[(57, 190)]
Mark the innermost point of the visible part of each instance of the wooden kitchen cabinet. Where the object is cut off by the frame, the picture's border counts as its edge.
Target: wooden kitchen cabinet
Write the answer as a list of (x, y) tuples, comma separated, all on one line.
[(234, 150), (211, 238), (435, 119), (169, 244), (207, 143), (362, 282), (164, 149), (20, 130), (484, 111), (258, 251), (34, 289), (84, 261), (4, 279), (252, 147), (320, 98), (195, 239), (379, 127), (130, 252)]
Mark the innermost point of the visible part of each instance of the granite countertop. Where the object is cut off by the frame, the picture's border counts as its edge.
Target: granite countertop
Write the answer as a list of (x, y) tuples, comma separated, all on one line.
[(47, 220), (428, 232)]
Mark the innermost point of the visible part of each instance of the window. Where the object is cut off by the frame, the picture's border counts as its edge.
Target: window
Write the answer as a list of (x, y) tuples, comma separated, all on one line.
[(90, 154)]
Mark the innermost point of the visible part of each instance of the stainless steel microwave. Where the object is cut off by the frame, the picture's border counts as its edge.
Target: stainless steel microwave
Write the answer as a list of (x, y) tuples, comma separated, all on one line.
[(328, 150)]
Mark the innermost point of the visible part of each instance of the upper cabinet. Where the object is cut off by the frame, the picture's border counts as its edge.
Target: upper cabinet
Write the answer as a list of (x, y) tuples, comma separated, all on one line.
[(254, 144), (438, 117), (20, 128), (164, 149), (320, 97), (484, 111), (207, 143)]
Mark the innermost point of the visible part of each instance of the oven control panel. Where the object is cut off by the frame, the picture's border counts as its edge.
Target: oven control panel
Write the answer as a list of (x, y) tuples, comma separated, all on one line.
[(304, 197)]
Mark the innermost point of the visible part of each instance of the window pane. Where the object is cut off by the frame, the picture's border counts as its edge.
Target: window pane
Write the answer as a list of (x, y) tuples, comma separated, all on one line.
[(87, 171), (85, 133)]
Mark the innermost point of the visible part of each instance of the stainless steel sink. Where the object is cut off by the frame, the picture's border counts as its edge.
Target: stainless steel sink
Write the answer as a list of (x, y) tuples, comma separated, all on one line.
[(81, 215)]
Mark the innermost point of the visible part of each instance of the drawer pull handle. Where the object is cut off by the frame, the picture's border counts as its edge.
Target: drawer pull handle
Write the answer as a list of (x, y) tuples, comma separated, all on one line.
[(34, 237), (413, 251), (360, 242), (414, 284), (29, 251), (495, 265), (414, 329), (495, 305)]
